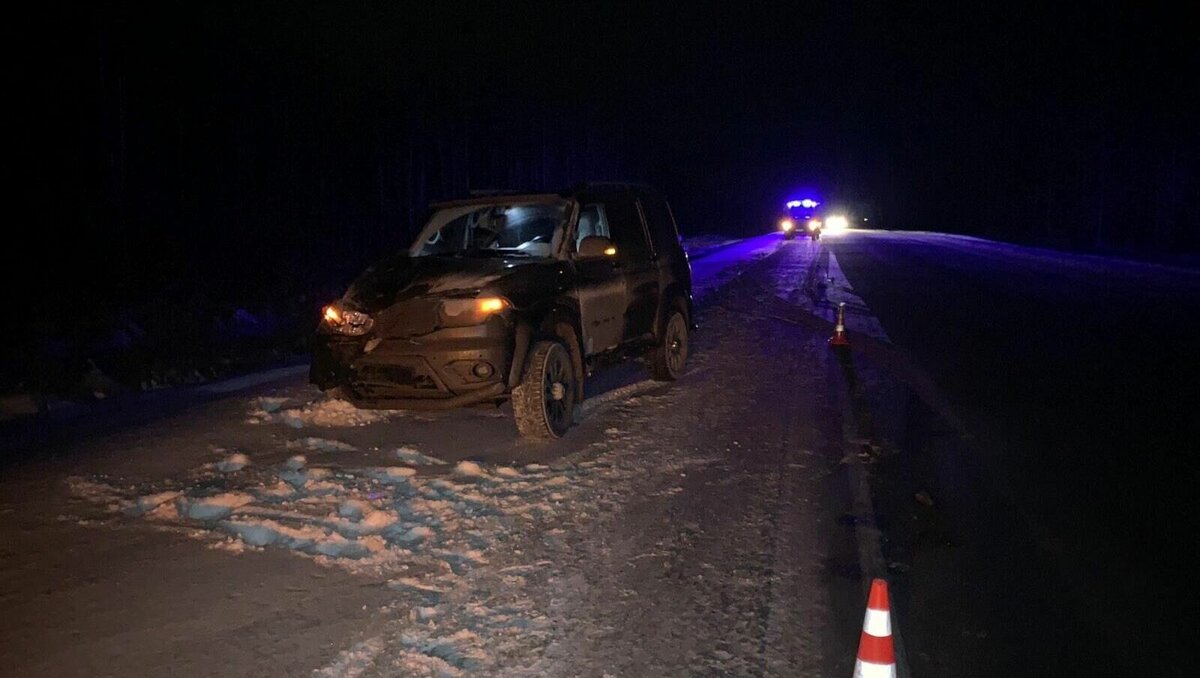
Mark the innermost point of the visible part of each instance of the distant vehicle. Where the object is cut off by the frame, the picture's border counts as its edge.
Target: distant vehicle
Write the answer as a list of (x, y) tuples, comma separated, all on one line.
[(801, 215), (514, 297), (806, 215)]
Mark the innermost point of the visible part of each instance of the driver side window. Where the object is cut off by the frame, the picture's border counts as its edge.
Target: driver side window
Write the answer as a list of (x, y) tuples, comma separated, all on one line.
[(592, 221)]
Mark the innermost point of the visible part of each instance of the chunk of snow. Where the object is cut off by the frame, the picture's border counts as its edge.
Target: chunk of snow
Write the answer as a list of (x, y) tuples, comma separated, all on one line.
[(215, 507), (278, 491), (230, 545), (320, 445), (323, 487), (234, 462), (471, 471), (507, 472), (336, 546), (377, 521), (150, 502), (415, 535), (410, 455), (353, 509), (255, 534), (374, 543), (296, 462), (310, 539), (462, 649), (296, 478), (393, 474), (331, 413)]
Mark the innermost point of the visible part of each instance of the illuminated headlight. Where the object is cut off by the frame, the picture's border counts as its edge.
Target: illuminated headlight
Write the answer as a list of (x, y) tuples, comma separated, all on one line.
[(342, 321), (787, 225), (837, 222), (814, 224), (470, 311)]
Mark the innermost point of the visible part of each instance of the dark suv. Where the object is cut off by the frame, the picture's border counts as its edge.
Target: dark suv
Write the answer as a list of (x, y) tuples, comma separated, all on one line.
[(514, 297)]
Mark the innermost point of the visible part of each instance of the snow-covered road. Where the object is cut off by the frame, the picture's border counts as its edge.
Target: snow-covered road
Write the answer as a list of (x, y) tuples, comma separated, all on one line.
[(691, 528)]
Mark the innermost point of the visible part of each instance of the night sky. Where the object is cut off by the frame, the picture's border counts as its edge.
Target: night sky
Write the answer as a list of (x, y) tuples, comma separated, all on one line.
[(250, 150)]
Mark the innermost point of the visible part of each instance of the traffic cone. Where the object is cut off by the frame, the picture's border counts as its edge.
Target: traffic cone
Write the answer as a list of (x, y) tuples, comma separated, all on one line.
[(876, 655), (839, 337)]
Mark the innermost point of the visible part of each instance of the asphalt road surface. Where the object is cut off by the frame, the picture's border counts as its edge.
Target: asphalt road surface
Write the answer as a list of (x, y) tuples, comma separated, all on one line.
[(1047, 414), (1007, 441)]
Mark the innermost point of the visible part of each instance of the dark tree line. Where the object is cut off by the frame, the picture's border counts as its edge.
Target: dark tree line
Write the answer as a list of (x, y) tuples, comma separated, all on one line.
[(197, 159)]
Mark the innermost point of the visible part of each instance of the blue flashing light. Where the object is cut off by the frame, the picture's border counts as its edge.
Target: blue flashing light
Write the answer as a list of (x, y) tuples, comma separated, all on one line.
[(807, 203)]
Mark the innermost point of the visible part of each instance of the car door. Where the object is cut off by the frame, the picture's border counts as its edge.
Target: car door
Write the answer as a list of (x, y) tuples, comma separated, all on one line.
[(636, 261), (600, 284)]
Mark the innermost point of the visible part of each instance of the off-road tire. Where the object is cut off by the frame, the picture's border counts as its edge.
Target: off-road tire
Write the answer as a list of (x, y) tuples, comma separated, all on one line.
[(537, 412), (668, 359)]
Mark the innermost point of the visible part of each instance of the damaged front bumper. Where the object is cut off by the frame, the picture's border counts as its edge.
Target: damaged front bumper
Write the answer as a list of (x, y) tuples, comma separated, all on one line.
[(445, 368)]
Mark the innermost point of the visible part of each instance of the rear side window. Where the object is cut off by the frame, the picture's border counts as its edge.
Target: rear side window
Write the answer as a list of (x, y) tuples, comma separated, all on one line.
[(660, 221), (625, 227)]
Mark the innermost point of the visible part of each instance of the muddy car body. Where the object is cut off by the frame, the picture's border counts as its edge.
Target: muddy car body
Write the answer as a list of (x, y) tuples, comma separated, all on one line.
[(514, 297)]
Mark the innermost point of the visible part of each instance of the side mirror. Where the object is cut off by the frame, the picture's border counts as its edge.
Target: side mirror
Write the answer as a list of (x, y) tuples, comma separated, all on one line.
[(597, 246)]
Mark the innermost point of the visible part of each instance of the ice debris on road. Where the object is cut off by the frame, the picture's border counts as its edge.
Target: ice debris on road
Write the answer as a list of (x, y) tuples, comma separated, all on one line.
[(429, 530), (366, 519)]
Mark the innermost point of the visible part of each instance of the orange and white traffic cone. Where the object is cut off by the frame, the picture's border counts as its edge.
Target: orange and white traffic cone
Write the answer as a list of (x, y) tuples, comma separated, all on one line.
[(839, 337), (876, 654)]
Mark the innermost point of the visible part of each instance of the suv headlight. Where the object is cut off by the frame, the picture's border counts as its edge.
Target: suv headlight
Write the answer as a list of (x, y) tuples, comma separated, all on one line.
[(342, 321), (470, 311)]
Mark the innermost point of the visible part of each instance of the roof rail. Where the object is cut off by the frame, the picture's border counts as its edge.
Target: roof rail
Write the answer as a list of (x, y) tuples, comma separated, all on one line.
[(613, 185), (485, 192)]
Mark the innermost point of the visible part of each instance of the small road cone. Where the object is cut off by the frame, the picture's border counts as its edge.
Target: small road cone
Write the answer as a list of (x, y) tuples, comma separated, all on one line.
[(839, 337), (876, 654)]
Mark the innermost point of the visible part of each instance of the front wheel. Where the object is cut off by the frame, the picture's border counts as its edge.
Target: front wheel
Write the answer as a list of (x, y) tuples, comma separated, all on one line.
[(668, 358), (543, 403)]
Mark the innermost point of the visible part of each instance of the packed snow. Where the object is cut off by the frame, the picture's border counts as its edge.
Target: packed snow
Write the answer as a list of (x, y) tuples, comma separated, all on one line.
[(431, 529)]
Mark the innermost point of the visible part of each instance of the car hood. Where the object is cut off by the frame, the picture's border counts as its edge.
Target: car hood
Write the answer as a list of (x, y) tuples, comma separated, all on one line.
[(403, 277)]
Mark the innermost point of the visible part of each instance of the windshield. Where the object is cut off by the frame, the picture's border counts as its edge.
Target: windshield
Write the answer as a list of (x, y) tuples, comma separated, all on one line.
[(532, 229)]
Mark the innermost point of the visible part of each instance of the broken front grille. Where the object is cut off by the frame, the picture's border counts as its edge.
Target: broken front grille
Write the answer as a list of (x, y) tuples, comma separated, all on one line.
[(402, 376)]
